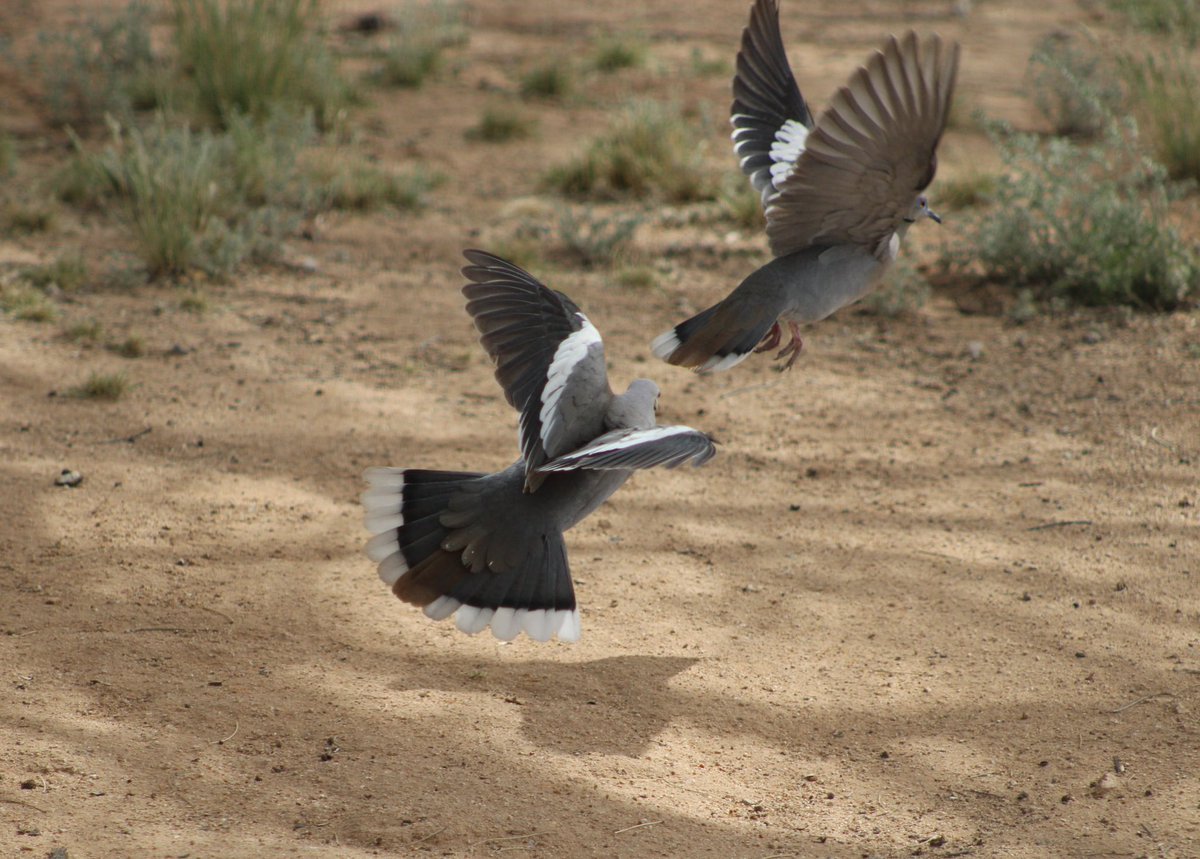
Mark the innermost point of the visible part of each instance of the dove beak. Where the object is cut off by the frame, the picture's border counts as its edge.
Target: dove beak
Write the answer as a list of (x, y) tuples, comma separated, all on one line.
[(934, 216)]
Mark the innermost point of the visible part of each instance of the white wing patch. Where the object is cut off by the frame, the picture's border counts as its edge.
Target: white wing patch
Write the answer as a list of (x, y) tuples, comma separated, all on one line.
[(570, 352), (638, 437), (740, 131), (787, 149)]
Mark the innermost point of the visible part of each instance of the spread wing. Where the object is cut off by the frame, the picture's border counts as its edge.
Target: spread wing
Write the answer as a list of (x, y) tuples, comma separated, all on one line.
[(871, 153), (639, 448), (769, 116), (549, 357)]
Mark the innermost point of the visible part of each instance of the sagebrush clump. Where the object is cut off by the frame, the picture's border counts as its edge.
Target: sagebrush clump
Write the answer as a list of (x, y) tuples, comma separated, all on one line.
[(1074, 85), (651, 151), (255, 58), (1086, 224)]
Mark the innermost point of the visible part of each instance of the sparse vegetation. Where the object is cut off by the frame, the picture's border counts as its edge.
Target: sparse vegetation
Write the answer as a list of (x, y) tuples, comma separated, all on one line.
[(101, 386), (549, 80), (82, 180), (8, 154), (199, 199), (407, 62), (132, 346), (498, 126), (22, 301), (1178, 18), (706, 66), (68, 272), (637, 277), (194, 302), (257, 57), (1083, 224), (966, 191), (651, 151), (593, 239), (1167, 101), (23, 218), (349, 181), (1074, 85), (415, 51), (613, 54), (741, 204), (84, 331), (904, 290), (103, 66)]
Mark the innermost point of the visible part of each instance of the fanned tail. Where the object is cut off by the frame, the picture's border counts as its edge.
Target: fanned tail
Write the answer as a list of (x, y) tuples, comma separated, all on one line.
[(453, 543)]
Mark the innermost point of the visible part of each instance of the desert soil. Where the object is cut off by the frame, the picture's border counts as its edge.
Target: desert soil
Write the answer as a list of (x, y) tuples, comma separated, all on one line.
[(938, 594)]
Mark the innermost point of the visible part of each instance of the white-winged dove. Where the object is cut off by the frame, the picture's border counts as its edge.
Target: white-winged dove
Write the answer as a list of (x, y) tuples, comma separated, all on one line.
[(839, 193), (489, 547)]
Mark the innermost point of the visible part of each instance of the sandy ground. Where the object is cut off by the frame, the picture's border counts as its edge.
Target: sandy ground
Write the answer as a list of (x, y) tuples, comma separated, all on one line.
[(939, 593)]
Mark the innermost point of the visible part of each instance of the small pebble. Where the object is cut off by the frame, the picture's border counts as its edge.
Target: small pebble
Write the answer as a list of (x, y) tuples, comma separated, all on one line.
[(68, 478)]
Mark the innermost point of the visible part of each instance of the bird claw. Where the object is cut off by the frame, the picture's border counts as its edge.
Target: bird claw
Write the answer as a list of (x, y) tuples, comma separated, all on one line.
[(771, 340), (792, 350)]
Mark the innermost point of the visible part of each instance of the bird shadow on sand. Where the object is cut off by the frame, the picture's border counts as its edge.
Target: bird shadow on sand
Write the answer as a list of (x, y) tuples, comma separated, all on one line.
[(615, 705)]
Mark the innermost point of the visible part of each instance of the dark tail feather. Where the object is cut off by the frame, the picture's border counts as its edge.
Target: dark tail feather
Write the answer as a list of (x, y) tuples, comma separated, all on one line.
[(717, 338), (500, 570)]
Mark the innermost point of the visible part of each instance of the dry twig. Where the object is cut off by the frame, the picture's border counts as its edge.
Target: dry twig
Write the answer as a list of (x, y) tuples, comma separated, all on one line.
[(1060, 524)]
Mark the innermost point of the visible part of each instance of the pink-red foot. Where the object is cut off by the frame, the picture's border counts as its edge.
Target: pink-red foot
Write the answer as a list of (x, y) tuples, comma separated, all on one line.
[(771, 340), (792, 350)]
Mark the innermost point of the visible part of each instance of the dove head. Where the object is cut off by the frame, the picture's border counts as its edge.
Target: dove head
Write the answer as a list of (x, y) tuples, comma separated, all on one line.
[(920, 209), (635, 408)]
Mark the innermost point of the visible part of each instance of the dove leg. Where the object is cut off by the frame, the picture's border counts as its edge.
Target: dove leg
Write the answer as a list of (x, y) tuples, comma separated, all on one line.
[(792, 349), (771, 340)]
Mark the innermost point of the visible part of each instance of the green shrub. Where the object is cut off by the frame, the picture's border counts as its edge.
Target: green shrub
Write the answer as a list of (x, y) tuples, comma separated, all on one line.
[(1084, 224), (199, 199), (1074, 86), (257, 57), (68, 272), (964, 192), (22, 218), (1167, 101), (705, 66), (1178, 18), (22, 301), (651, 151), (497, 126), (637, 277), (85, 331), (407, 62), (741, 204), (101, 386), (195, 303), (414, 52), (132, 346), (82, 181), (99, 67), (346, 180), (613, 54), (903, 290), (550, 80), (8, 154), (594, 240)]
